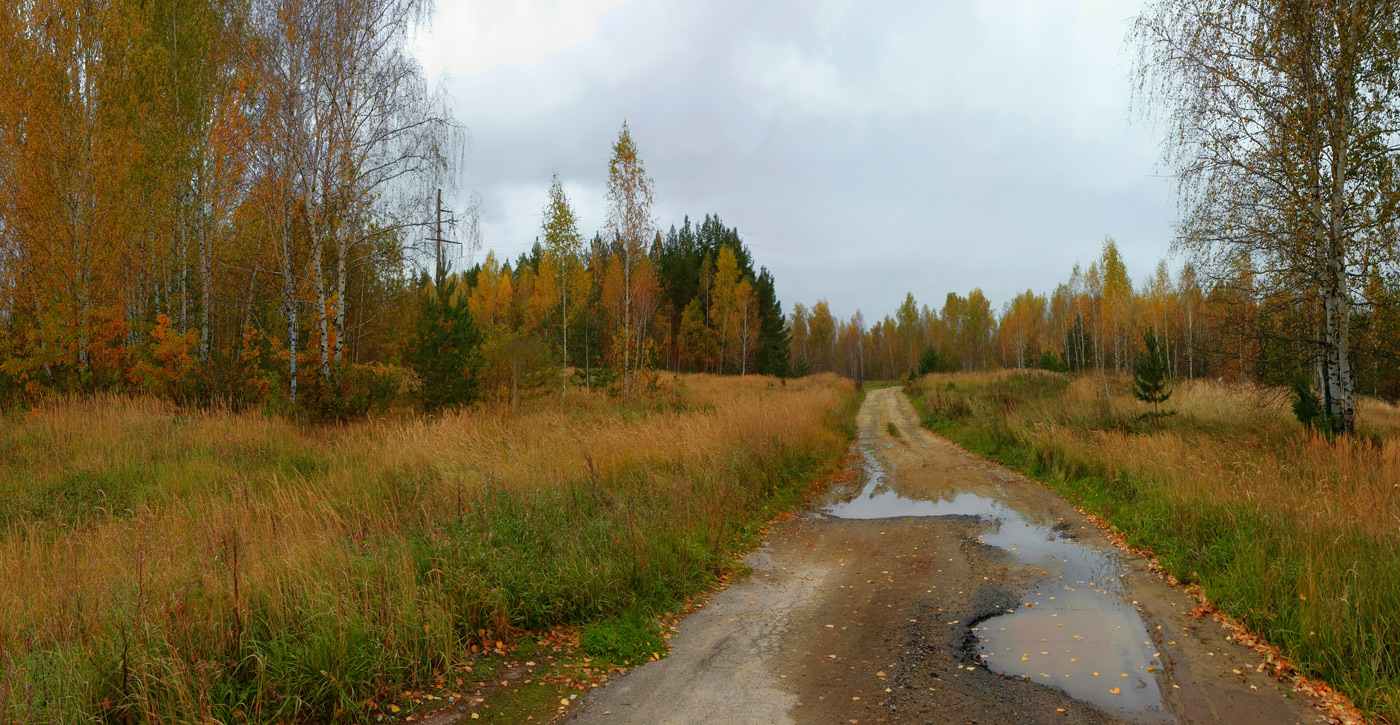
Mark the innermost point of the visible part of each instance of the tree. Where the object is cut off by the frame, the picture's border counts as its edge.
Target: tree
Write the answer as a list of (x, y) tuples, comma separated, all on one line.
[(562, 245), (774, 339), (630, 224), (1282, 118), (725, 309), (821, 338), (444, 346), (354, 140), (1150, 383), (930, 362)]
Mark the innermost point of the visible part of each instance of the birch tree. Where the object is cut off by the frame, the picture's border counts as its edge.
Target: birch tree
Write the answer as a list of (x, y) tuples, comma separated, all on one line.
[(562, 244), (1284, 117), (630, 224)]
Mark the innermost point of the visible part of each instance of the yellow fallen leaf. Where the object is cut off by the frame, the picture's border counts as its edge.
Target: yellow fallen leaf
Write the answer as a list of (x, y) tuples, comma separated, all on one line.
[(1096, 674), (1115, 691), (393, 708)]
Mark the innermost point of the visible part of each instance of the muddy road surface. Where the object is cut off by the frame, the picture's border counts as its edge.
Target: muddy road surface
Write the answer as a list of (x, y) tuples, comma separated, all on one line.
[(941, 588)]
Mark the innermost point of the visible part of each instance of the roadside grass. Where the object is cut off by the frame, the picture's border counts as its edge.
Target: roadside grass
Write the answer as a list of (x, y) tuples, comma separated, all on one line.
[(158, 564), (1295, 535), (629, 637)]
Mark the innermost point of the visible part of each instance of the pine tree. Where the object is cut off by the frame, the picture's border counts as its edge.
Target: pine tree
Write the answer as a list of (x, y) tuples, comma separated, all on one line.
[(445, 345), (932, 362), (1150, 375), (774, 338)]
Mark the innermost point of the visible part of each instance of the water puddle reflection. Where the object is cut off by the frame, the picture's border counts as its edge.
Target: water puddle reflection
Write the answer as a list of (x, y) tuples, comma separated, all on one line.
[(1079, 633)]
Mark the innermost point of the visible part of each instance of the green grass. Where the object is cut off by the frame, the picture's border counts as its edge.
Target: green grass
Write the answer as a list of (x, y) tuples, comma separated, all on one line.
[(627, 638), (1253, 564)]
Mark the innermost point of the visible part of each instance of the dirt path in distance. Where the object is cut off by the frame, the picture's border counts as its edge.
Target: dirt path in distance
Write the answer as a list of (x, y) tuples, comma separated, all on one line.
[(942, 588)]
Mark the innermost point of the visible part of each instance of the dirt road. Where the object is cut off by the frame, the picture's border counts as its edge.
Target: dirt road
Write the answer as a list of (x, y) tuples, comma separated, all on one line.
[(942, 588)]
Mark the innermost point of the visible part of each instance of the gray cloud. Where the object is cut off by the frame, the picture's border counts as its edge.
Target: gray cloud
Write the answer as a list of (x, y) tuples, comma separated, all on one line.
[(862, 149)]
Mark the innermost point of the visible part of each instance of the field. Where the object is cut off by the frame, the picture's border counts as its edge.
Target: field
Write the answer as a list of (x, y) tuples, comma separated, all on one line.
[(161, 564), (1296, 535)]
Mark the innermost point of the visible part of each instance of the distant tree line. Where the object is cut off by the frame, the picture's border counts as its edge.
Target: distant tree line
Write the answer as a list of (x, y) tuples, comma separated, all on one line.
[(1222, 327)]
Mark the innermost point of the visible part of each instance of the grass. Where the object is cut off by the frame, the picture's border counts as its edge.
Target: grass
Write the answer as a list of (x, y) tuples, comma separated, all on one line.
[(630, 636), (165, 565), (1295, 535)]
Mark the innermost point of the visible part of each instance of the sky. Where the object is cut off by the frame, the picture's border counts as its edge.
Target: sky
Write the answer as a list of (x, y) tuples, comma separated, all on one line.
[(862, 149)]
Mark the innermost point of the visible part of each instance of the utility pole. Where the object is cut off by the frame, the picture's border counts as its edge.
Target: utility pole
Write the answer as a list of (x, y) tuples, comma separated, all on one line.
[(438, 241), (437, 235)]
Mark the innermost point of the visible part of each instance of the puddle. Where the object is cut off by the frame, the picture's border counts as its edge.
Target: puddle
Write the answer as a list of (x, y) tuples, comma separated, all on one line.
[(1081, 635)]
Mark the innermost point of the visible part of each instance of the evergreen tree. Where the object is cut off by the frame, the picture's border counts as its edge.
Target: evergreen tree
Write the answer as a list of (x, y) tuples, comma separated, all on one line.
[(930, 361), (445, 343), (1150, 374), (774, 339)]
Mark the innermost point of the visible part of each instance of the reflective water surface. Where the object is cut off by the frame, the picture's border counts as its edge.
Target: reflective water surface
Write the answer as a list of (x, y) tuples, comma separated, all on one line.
[(1076, 630)]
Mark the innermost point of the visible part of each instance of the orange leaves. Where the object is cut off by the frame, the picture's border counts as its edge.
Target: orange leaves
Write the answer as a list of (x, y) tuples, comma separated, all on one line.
[(171, 361)]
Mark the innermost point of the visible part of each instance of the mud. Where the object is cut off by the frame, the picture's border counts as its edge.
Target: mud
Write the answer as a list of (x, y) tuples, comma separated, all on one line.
[(942, 588)]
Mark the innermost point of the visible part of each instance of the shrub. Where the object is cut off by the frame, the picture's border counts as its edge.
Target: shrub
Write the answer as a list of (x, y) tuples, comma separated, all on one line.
[(1307, 407), (356, 392)]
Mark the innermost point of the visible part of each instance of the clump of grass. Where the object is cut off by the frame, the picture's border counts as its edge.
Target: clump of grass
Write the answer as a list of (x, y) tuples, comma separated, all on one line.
[(257, 571), (626, 638), (893, 429), (1295, 534)]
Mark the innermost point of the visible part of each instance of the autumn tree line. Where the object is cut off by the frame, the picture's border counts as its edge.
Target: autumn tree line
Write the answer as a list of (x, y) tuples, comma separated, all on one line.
[(1095, 321), (234, 200), (1283, 133), (695, 303)]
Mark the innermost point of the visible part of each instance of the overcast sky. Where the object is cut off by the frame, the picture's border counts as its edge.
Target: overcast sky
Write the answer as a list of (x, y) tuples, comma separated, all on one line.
[(863, 149)]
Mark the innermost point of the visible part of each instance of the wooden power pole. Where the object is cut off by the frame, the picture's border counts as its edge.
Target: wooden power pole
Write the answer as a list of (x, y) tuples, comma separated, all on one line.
[(438, 241)]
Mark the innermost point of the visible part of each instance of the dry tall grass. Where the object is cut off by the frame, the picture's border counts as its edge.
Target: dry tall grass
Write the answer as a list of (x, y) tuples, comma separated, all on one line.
[(141, 538), (1241, 446)]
